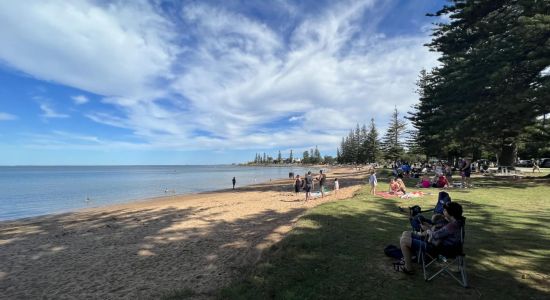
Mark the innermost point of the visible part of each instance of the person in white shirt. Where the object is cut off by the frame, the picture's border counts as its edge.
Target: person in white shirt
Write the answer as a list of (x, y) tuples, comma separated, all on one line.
[(373, 182)]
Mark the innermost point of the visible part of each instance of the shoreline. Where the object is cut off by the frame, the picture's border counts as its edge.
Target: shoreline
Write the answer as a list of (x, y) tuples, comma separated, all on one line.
[(146, 249), (168, 194), (133, 201)]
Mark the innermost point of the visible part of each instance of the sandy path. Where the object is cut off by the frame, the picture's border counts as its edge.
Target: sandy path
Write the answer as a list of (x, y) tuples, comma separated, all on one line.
[(146, 249)]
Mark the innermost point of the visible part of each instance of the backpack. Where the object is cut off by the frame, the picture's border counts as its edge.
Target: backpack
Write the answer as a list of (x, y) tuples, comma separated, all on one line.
[(393, 251), (442, 199), (414, 210)]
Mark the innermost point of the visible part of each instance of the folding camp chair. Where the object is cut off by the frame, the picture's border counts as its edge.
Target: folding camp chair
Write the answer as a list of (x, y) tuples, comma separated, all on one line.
[(446, 259)]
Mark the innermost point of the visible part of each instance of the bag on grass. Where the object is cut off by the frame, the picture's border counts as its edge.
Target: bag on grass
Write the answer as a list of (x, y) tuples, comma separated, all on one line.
[(414, 210), (393, 251)]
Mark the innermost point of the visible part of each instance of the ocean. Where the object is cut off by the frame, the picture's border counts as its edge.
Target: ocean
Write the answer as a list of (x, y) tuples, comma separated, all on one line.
[(27, 191)]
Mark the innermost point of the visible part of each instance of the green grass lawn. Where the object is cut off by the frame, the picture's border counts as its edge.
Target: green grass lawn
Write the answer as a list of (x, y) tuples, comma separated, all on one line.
[(336, 249)]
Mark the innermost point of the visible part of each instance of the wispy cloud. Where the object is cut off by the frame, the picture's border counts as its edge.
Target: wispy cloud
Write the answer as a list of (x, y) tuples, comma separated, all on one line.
[(80, 99), (7, 117), (242, 81), (49, 112), (119, 48)]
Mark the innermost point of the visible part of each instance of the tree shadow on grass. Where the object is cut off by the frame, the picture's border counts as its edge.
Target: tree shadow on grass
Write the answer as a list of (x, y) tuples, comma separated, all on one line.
[(336, 252), (506, 183), (141, 254)]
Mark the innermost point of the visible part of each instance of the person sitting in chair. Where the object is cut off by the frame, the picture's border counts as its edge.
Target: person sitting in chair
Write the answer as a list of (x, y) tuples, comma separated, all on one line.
[(448, 237), (417, 219), (437, 222)]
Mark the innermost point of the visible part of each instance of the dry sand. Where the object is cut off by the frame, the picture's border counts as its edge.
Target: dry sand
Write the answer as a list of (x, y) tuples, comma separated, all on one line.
[(145, 249)]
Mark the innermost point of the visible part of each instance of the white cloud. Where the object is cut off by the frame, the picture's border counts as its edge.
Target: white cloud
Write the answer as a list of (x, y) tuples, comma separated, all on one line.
[(80, 99), (334, 71), (7, 117), (49, 112), (220, 79), (116, 49)]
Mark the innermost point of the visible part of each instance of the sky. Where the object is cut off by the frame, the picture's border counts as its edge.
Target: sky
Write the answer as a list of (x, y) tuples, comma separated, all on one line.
[(202, 82)]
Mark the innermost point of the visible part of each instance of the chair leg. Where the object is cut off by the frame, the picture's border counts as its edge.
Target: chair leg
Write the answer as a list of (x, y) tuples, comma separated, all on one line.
[(463, 271), (422, 260), (461, 263)]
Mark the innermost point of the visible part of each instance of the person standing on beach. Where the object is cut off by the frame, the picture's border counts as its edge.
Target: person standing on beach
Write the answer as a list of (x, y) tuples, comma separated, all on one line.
[(297, 184), (373, 182), (336, 186), (234, 181), (465, 172), (322, 178), (308, 185)]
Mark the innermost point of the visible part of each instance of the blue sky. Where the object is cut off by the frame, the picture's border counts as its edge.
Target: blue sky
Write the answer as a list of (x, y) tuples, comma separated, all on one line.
[(201, 82)]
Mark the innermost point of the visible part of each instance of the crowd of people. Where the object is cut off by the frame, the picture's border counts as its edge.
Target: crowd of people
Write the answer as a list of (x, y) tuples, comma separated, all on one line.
[(438, 174), (307, 184)]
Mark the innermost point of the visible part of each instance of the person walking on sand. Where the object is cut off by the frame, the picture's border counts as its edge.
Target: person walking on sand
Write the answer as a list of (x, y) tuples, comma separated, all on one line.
[(322, 178), (373, 182), (336, 186), (308, 182), (234, 181)]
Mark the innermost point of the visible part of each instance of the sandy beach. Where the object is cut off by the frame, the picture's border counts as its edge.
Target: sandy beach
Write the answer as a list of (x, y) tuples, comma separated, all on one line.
[(145, 249)]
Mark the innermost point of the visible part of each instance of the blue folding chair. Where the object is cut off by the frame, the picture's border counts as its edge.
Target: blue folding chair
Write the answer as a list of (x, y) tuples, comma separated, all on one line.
[(415, 212), (446, 259)]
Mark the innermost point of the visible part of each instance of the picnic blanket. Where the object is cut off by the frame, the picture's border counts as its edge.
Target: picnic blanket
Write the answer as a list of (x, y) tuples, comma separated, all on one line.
[(414, 194), (388, 195)]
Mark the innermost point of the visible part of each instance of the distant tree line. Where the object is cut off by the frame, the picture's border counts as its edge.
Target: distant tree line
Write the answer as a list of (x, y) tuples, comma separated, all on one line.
[(364, 145), (313, 156)]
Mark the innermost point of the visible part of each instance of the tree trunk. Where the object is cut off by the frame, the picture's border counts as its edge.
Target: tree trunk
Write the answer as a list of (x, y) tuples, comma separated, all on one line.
[(508, 154)]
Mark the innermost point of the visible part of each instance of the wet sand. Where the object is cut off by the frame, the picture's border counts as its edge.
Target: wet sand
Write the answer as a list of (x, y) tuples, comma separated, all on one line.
[(146, 249)]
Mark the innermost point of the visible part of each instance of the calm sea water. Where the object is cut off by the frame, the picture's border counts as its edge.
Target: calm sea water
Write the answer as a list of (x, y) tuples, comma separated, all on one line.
[(32, 191)]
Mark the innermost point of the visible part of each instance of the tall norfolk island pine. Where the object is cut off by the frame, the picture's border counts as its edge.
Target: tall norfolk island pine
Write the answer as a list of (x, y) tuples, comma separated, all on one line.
[(371, 145), (391, 143), (493, 81)]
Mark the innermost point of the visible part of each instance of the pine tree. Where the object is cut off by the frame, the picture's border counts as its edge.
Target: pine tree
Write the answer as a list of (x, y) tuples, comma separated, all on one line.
[(362, 151), (371, 145), (411, 142), (392, 145), (344, 152), (491, 84), (305, 157), (351, 148), (291, 157), (316, 155), (279, 158)]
